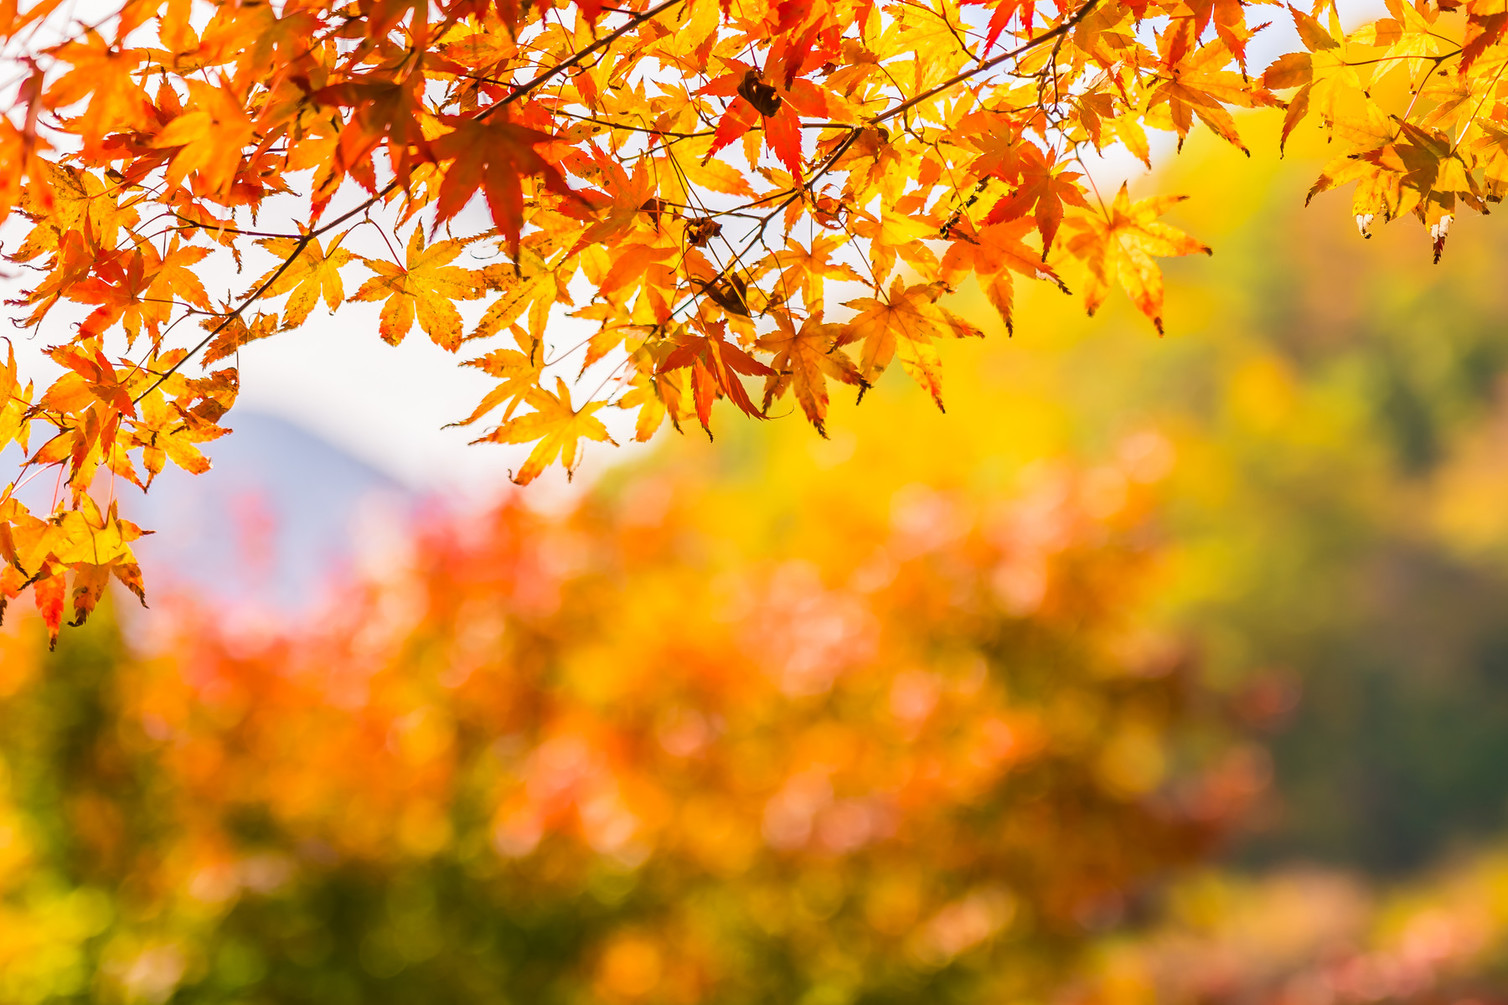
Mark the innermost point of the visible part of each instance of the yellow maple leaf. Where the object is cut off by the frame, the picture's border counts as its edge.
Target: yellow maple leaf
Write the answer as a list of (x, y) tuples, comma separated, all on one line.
[(557, 425), (518, 376), (308, 273), (427, 286)]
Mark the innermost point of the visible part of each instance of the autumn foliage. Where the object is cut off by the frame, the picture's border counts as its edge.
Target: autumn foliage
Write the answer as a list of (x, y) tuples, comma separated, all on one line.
[(611, 757), (748, 201)]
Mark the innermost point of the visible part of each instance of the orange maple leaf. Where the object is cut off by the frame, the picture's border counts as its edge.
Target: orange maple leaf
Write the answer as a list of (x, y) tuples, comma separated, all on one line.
[(1120, 247), (776, 109), (806, 270), (493, 155), (234, 332), (905, 323), (992, 254), (15, 402), (714, 363), (119, 291), (104, 73), (1043, 191), (1200, 86), (804, 359), (518, 375), (208, 138)]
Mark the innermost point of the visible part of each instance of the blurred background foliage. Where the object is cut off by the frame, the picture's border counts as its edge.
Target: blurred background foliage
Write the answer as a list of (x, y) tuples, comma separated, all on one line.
[(1155, 671), (684, 744)]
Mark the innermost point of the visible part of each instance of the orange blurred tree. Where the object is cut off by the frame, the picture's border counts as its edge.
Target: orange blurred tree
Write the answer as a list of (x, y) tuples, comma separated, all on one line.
[(922, 760), (696, 177)]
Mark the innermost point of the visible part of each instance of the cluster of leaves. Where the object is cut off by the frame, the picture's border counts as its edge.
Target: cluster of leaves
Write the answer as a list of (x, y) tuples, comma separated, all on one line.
[(699, 173), (928, 761)]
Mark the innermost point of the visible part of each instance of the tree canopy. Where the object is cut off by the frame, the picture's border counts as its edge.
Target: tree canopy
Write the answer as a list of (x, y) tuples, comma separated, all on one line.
[(927, 759), (694, 179)]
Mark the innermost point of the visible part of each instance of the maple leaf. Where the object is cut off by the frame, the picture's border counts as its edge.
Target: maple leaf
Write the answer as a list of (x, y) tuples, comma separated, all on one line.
[(307, 273), (557, 425), (173, 278), (1485, 27), (631, 264), (654, 396), (529, 285), (803, 361), (384, 109), (628, 195), (1394, 168), (714, 363), (84, 539), (1199, 85), (1001, 14), (100, 377), (806, 269), (897, 234), (1229, 20), (1044, 190), (992, 255), (905, 323), (142, 293), (518, 374), (208, 138), (15, 403), (493, 155), (232, 332), (119, 291), (426, 286), (168, 430), (176, 442), (25, 171), (1409, 38), (775, 107), (1120, 247), (102, 73)]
